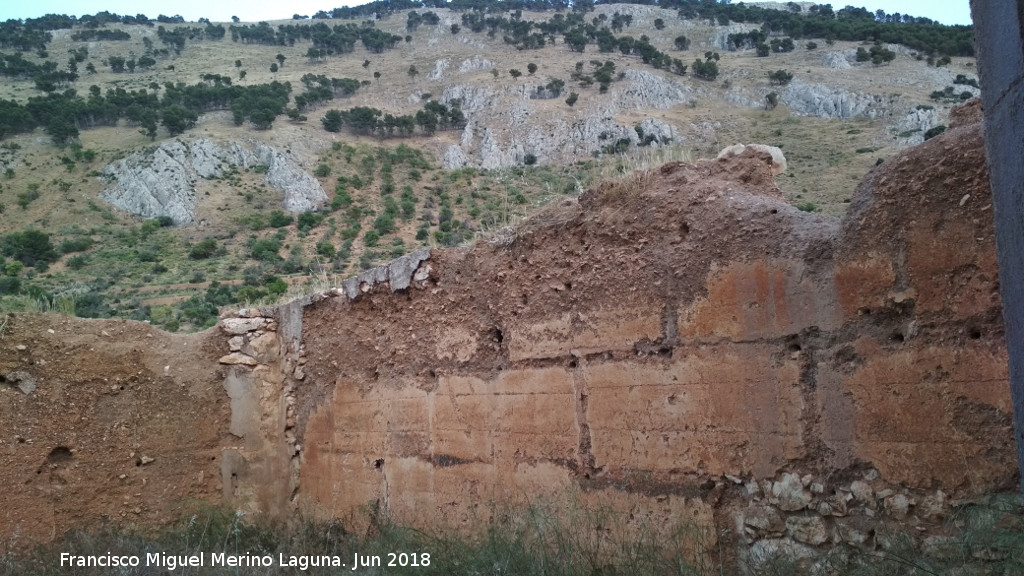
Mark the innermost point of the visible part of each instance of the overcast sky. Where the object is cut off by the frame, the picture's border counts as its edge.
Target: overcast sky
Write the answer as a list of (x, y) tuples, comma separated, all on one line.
[(945, 11)]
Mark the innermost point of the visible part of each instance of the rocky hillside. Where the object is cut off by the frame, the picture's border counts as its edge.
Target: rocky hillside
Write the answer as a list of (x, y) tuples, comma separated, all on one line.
[(198, 165)]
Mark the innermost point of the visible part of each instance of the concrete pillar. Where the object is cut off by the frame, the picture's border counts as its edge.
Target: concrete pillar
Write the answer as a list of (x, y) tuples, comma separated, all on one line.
[(999, 39)]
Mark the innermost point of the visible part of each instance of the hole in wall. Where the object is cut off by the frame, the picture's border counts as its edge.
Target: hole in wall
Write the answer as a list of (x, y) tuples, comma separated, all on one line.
[(60, 454), (378, 463)]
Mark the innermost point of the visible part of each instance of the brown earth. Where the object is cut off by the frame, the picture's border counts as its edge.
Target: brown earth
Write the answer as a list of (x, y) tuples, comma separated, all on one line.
[(110, 396), (682, 346)]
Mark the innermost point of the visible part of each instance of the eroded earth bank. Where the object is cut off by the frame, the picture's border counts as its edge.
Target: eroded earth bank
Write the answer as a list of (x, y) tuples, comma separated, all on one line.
[(682, 347)]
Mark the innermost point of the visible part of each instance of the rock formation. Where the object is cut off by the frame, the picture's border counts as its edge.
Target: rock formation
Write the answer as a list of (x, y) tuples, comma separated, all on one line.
[(824, 102), (161, 182)]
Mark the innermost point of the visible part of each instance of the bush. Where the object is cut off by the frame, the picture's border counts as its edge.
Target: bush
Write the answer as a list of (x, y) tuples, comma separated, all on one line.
[(203, 250), (571, 100), (76, 245), (326, 249), (371, 238), (933, 132), (384, 224), (265, 250), (279, 219), (322, 171), (780, 77), (309, 220), (276, 286), (31, 247), (529, 160), (78, 262), (10, 285), (332, 121)]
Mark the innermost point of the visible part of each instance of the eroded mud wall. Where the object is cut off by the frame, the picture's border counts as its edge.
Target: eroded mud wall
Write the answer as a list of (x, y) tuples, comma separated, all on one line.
[(685, 346), (105, 421)]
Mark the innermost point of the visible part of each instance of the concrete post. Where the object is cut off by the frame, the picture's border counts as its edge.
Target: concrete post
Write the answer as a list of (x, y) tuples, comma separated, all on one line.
[(999, 39)]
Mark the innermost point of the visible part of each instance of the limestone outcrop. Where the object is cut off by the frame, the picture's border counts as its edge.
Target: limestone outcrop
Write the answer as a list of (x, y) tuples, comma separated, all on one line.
[(161, 182)]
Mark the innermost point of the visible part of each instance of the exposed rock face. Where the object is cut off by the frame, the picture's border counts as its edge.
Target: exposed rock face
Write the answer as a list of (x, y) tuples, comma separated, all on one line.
[(454, 158), (156, 184), (475, 63), (649, 90), (663, 133), (162, 182), (439, 69), (473, 99), (911, 128), (824, 102), (720, 41), (838, 60), (302, 192)]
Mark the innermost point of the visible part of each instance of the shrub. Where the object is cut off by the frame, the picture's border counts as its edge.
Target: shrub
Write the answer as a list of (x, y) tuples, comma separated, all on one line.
[(203, 250), (10, 285), (326, 249), (78, 262), (322, 171), (76, 245), (371, 237), (27, 197), (279, 219), (31, 247), (309, 220), (265, 250), (384, 224), (571, 100), (933, 132), (275, 285), (780, 77), (341, 198)]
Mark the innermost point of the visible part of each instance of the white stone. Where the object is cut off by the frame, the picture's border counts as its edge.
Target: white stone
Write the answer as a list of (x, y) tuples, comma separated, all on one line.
[(790, 494), (863, 492), (238, 358), (242, 325), (897, 506), (807, 529)]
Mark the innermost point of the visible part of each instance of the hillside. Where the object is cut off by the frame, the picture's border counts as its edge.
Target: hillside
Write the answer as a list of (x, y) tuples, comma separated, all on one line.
[(140, 223)]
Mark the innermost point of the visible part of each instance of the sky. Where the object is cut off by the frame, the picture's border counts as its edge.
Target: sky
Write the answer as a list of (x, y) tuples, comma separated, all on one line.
[(945, 11)]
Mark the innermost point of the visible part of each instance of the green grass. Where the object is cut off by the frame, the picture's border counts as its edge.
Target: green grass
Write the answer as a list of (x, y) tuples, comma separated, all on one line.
[(984, 537)]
